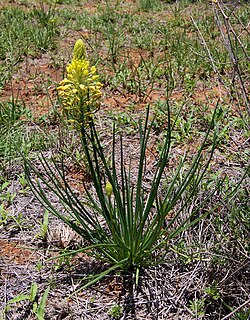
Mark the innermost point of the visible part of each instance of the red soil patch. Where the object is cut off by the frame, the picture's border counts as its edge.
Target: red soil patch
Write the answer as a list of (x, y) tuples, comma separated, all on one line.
[(135, 56), (77, 179), (199, 97), (14, 253), (34, 84)]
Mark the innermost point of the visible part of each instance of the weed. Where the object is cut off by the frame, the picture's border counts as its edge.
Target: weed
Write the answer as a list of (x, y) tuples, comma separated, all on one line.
[(125, 121), (63, 261), (36, 307), (44, 227), (7, 197), (212, 291), (4, 214), (148, 5), (25, 33), (24, 184), (197, 306), (11, 112), (6, 218), (116, 311)]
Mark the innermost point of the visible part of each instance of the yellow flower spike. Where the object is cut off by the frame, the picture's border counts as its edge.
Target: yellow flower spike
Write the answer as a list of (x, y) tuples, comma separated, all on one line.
[(80, 91), (79, 51)]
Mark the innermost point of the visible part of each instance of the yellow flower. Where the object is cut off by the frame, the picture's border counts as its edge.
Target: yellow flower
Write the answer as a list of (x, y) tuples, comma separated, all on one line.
[(80, 91)]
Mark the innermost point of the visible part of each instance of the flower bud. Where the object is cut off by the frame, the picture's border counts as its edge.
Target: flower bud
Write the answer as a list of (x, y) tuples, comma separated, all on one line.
[(109, 189), (79, 51)]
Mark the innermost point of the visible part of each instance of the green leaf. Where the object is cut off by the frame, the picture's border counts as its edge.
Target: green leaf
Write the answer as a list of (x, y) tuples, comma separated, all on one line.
[(20, 297), (33, 291), (34, 307), (41, 306)]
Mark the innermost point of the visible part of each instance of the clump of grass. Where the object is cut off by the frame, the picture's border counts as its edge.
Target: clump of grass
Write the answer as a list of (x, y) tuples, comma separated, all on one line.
[(16, 136), (25, 33), (148, 5)]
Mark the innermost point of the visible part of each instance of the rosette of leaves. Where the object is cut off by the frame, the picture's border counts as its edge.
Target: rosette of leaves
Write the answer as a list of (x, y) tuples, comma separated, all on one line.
[(124, 225)]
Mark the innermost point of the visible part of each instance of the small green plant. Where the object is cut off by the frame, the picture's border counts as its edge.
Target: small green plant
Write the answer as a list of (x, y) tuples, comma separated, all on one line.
[(39, 266), (197, 306), (148, 5), (6, 217), (24, 184), (4, 214), (63, 261), (10, 130), (241, 315), (6, 196), (115, 311), (37, 307), (44, 226), (125, 121), (11, 111), (114, 37), (212, 291)]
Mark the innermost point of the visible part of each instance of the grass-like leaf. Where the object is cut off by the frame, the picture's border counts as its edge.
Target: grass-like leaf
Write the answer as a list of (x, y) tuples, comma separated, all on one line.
[(127, 229)]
